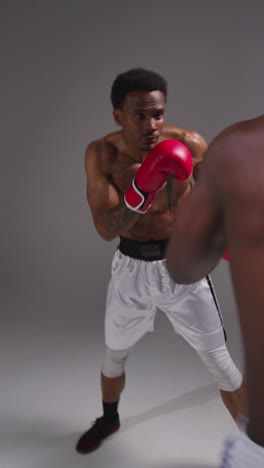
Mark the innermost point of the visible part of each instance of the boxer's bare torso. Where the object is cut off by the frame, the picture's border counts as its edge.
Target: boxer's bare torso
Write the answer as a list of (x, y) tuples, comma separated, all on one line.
[(111, 165)]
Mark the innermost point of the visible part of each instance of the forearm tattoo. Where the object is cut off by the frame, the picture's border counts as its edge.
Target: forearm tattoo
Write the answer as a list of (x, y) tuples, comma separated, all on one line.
[(120, 219)]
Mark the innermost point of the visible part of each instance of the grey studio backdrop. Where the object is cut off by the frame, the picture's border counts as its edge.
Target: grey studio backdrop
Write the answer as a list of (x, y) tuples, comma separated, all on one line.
[(58, 61)]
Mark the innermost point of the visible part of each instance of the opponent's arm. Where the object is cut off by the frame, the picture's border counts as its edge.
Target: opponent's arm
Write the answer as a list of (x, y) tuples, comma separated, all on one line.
[(197, 240), (198, 147), (110, 214)]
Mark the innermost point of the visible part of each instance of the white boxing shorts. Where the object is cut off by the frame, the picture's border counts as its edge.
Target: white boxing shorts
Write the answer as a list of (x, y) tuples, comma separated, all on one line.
[(140, 284)]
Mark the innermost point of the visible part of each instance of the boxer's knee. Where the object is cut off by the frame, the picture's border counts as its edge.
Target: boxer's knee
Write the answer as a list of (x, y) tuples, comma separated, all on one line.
[(114, 362), (220, 365)]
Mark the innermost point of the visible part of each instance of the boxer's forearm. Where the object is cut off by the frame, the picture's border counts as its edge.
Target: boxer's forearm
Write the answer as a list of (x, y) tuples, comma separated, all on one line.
[(118, 220)]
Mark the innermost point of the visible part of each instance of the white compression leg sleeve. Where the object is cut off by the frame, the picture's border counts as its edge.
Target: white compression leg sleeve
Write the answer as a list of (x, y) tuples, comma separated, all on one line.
[(114, 362), (220, 365)]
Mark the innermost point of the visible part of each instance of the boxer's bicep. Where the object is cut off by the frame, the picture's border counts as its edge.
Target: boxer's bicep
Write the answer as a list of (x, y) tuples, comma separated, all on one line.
[(102, 196)]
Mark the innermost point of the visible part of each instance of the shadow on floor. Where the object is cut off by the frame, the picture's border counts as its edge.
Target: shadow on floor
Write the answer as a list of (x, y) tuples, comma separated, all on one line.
[(188, 400)]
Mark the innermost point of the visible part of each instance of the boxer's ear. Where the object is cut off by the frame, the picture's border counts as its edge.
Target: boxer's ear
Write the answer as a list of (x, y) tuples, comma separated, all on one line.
[(117, 116)]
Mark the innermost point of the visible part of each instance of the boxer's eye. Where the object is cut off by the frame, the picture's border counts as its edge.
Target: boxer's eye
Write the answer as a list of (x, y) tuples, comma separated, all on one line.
[(140, 116), (158, 115)]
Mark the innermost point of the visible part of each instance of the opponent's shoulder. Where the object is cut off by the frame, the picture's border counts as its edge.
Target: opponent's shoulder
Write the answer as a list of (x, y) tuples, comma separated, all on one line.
[(100, 153), (191, 138), (239, 150), (250, 130)]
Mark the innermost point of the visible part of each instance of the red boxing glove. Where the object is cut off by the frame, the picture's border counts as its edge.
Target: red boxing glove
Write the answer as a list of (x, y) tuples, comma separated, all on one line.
[(169, 156), (225, 255)]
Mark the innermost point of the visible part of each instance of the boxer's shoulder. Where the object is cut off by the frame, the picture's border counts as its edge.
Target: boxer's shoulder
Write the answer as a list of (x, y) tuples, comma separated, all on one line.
[(102, 152), (191, 138), (194, 141)]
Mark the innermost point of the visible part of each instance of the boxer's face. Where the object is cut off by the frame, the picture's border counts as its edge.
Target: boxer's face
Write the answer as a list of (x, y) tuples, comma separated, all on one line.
[(142, 118)]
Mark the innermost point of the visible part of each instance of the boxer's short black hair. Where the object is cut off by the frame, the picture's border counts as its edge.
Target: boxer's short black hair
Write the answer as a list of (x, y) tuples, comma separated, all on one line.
[(136, 79)]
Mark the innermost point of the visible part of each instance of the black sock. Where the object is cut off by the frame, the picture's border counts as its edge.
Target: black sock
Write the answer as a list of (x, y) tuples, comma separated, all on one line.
[(110, 411)]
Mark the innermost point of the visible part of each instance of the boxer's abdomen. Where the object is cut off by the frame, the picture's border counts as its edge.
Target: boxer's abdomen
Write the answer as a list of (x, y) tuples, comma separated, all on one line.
[(157, 222), (151, 226)]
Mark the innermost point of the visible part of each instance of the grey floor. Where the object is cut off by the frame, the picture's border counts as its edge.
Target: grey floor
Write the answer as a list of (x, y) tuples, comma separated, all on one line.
[(59, 59), (171, 411)]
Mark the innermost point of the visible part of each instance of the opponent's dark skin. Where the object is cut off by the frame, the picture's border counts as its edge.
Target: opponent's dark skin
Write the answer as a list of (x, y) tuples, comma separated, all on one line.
[(226, 209)]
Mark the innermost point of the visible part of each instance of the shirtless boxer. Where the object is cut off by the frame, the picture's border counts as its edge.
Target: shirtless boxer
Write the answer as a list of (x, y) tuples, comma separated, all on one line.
[(128, 196), (225, 209)]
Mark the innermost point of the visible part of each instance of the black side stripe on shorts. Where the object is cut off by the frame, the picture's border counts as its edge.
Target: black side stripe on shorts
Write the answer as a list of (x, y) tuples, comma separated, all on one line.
[(210, 284)]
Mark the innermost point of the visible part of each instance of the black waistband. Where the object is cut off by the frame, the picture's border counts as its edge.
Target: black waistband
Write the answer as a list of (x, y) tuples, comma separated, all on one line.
[(150, 250)]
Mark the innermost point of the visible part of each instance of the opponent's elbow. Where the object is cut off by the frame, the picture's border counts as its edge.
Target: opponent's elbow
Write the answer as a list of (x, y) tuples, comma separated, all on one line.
[(175, 272)]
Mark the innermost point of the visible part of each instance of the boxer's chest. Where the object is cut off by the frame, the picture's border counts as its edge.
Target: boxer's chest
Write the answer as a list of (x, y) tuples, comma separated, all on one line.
[(124, 169)]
